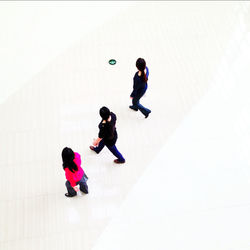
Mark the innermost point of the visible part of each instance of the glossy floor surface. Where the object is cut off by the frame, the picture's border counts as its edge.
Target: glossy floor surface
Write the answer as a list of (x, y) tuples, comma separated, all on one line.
[(186, 181)]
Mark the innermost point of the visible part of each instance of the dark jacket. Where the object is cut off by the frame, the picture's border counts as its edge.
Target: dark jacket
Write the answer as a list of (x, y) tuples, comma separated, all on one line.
[(108, 131), (139, 87)]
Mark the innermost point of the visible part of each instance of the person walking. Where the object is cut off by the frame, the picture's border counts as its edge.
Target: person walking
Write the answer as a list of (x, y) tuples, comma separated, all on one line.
[(73, 172), (140, 87), (107, 135)]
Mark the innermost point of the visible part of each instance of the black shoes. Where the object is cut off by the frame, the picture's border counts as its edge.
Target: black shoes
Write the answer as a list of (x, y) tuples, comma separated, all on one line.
[(132, 107), (146, 116), (84, 190), (136, 109), (70, 195), (92, 148)]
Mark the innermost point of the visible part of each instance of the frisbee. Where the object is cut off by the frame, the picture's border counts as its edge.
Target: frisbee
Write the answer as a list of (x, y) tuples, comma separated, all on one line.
[(112, 61)]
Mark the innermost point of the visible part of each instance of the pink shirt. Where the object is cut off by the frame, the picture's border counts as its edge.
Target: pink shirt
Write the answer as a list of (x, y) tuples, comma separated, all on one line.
[(77, 175)]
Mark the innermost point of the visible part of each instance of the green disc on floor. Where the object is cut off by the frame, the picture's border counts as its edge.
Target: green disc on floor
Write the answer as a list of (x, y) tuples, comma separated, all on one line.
[(112, 61)]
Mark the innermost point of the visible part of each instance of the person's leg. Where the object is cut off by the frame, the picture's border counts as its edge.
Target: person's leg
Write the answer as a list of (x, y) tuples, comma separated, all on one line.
[(70, 189), (99, 148), (135, 101), (133, 107), (85, 176), (136, 104), (144, 110), (83, 185), (116, 153)]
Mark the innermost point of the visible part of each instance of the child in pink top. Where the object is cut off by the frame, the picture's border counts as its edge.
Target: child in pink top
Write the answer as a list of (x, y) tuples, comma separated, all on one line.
[(73, 172)]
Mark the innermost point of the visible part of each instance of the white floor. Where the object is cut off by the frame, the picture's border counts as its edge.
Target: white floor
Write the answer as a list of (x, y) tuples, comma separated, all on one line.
[(186, 181)]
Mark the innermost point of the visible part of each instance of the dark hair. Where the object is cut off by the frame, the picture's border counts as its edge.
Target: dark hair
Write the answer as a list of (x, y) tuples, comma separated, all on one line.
[(141, 65), (68, 156), (104, 113)]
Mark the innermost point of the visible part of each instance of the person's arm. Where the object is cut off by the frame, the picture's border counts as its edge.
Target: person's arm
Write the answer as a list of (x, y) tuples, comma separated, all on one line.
[(135, 88), (101, 134), (114, 118), (69, 177), (147, 72), (96, 141), (77, 159)]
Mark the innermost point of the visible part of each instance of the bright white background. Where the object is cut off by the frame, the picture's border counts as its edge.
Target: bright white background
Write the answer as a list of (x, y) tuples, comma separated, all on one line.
[(33, 33), (185, 184)]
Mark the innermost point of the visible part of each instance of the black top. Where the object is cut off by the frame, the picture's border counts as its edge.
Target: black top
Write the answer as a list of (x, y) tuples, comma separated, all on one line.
[(108, 131), (139, 86)]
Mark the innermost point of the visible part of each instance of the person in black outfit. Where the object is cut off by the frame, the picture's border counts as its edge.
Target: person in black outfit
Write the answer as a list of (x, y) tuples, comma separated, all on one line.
[(107, 135), (140, 86)]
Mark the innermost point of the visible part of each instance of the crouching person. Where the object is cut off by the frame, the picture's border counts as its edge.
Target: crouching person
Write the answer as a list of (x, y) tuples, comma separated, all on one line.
[(73, 172)]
